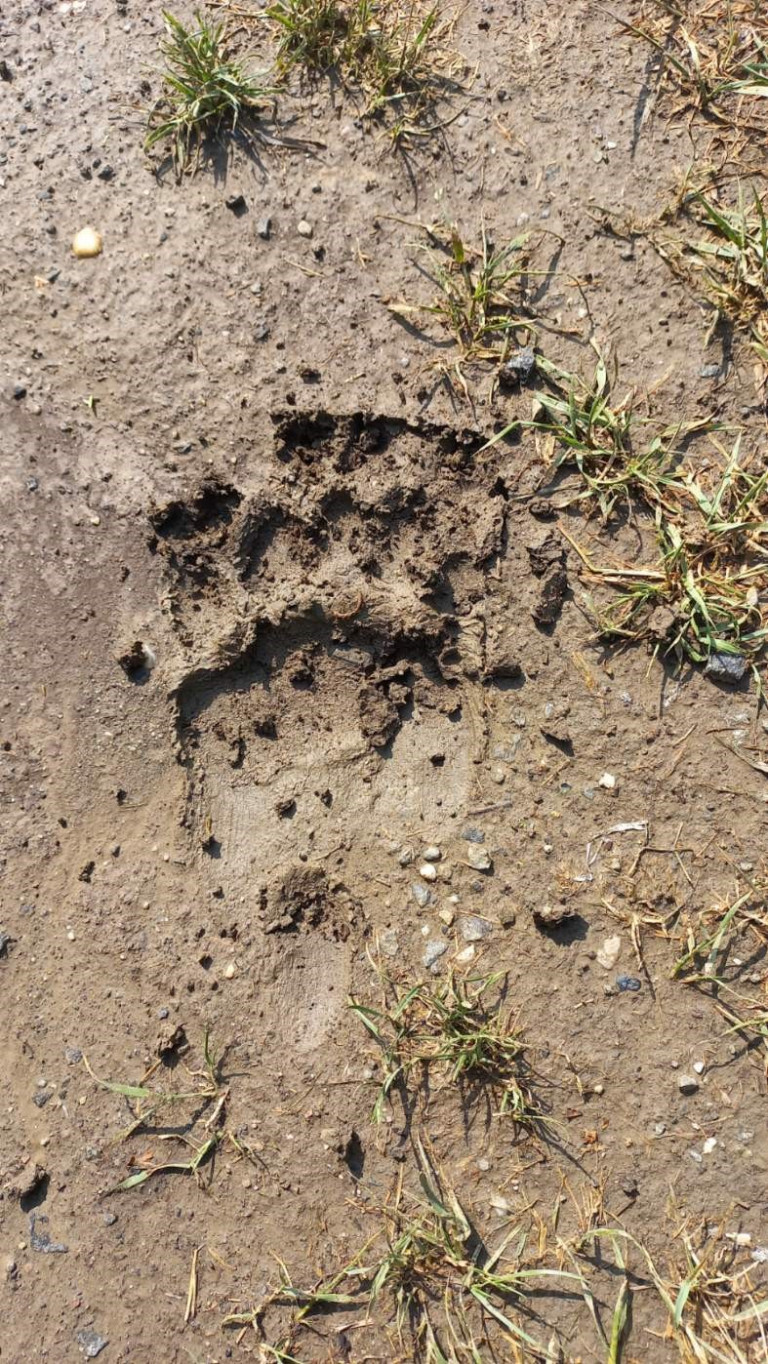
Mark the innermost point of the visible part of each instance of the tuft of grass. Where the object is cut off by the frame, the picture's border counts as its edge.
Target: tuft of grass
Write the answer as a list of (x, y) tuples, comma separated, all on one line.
[(713, 1315), (206, 90), (437, 1279), (591, 431), (729, 265), (452, 1027), (714, 58), (481, 298), (704, 594), (395, 53), (208, 1098)]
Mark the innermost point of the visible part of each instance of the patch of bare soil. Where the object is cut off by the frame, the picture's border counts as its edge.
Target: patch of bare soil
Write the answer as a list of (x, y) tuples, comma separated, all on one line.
[(303, 707)]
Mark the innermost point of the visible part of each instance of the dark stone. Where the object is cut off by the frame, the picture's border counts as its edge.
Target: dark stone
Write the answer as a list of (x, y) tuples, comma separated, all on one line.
[(728, 668), (237, 205), (520, 366)]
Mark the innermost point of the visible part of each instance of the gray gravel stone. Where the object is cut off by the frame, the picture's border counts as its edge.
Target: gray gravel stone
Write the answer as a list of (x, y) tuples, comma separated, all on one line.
[(474, 929), (91, 1343), (729, 668), (434, 950)]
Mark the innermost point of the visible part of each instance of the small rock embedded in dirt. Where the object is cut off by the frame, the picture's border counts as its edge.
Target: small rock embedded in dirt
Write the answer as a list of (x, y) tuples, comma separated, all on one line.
[(474, 929), (28, 1182), (507, 916), (170, 1041), (405, 857), (520, 366), (420, 893), (552, 916), (304, 228), (630, 983), (73, 1056), (608, 954), (5, 939), (237, 205), (264, 228), (728, 668), (110, 1219), (432, 853), (479, 858), (428, 871), (466, 955), (554, 726), (709, 371), (86, 872), (388, 942), (434, 950), (473, 835), (688, 1084), (87, 243), (40, 1240), (137, 661), (91, 1343)]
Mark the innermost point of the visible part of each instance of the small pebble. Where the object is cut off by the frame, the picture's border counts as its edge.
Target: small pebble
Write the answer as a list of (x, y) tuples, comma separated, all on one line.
[(91, 1344), (728, 668), (473, 835), (406, 857), (420, 893), (698, 1066), (434, 950), (474, 929), (478, 858), (688, 1084), (428, 872), (432, 853), (304, 228), (388, 942), (264, 229), (629, 983), (607, 781), (608, 954)]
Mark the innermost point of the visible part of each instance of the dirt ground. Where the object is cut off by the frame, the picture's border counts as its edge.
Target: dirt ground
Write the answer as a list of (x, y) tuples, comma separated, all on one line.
[(274, 624)]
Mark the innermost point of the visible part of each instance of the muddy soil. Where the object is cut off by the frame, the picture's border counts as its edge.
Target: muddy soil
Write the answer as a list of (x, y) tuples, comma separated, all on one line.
[(276, 621)]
